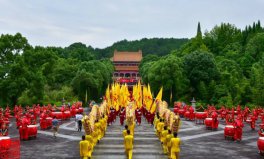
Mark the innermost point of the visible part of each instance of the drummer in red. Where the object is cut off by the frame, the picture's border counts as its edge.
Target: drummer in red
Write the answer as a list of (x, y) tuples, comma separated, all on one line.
[(261, 130), (214, 120), (238, 125), (191, 110), (138, 115), (23, 131), (122, 115), (4, 130), (253, 122)]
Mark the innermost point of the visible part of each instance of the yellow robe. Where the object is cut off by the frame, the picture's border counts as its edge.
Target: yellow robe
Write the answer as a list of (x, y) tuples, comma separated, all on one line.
[(99, 132), (164, 141), (160, 127), (129, 145), (175, 147), (168, 138), (124, 133), (85, 146), (95, 135), (90, 140)]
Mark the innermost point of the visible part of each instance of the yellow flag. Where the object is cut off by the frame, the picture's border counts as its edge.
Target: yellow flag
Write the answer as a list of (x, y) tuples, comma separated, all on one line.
[(159, 96), (149, 99), (153, 107)]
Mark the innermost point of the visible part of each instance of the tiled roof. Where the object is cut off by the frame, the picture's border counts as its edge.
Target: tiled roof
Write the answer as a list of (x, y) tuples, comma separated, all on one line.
[(127, 56)]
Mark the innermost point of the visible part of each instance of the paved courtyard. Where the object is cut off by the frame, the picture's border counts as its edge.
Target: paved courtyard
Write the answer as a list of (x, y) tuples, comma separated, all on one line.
[(197, 143)]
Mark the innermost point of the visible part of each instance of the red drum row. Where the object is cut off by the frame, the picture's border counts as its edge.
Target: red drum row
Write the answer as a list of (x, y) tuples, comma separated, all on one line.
[(30, 131)]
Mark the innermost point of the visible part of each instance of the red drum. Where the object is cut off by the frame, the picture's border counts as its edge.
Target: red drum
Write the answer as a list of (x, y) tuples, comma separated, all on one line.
[(57, 114), (32, 130), (80, 110), (187, 115), (249, 120), (49, 121), (4, 142), (200, 116), (261, 144), (181, 112), (229, 131), (67, 115), (208, 122), (175, 110)]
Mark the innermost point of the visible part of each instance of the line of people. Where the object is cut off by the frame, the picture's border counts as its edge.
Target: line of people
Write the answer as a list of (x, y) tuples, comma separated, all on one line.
[(95, 125), (169, 140)]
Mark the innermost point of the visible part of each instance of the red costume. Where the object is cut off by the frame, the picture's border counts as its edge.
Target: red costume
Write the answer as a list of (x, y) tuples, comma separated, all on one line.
[(253, 122), (138, 115), (214, 120), (43, 123), (23, 130), (238, 125), (192, 115), (122, 115), (111, 116)]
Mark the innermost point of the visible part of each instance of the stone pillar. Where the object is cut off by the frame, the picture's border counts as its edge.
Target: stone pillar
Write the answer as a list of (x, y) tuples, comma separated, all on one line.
[(193, 104)]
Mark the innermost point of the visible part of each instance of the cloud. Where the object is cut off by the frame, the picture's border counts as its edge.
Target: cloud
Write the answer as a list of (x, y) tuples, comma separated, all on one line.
[(101, 23)]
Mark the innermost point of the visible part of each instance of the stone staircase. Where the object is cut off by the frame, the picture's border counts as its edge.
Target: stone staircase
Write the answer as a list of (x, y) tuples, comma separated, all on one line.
[(146, 143)]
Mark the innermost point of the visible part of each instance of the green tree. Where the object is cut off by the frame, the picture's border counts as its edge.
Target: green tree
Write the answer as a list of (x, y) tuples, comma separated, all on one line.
[(200, 66), (12, 79), (222, 36), (257, 82), (79, 51)]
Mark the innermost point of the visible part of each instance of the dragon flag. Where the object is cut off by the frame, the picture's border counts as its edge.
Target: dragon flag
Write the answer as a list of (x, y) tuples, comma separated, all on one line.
[(158, 99)]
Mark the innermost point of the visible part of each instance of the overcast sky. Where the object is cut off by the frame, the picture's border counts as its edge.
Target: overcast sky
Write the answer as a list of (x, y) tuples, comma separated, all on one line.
[(100, 23)]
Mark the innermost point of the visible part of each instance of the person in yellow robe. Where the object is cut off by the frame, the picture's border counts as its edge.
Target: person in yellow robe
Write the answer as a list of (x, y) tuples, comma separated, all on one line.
[(156, 120), (104, 124), (90, 140), (168, 138), (164, 134), (175, 146), (99, 130), (129, 139), (85, 146), (160, 127), (95, 134)]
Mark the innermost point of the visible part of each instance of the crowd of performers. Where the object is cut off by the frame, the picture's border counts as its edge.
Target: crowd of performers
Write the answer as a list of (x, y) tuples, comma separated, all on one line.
[(235, 119), (167, 125), (27, 118), (94, 125)]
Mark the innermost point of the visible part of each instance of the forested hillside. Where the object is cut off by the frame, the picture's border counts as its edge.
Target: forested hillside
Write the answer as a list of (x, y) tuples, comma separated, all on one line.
[(157, 46), (48, 74), (223, 66)]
